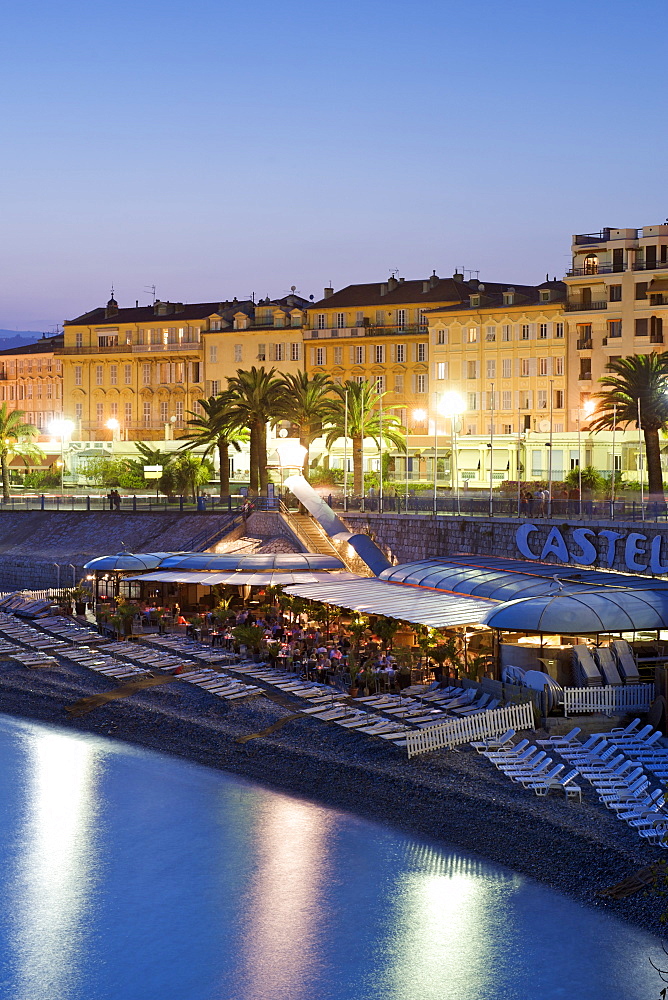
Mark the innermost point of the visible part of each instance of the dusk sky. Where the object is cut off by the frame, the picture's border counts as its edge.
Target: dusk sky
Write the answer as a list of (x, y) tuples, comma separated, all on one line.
[(215, 149)]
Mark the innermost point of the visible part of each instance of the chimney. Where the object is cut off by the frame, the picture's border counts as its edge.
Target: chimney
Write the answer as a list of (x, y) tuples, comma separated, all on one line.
[(136, 303), (434, 279), (383, 289), (392, 283), (327, 293), (112, 308), (457, 276)]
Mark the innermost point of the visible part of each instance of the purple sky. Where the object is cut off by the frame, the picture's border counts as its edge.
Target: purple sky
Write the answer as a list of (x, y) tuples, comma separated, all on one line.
[(217, 150)]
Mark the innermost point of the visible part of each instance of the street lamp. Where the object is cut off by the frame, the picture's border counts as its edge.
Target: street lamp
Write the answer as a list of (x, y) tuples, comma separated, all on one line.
[(62, 428), (419, 416), (291, 455), (113, 425), (452, 405)]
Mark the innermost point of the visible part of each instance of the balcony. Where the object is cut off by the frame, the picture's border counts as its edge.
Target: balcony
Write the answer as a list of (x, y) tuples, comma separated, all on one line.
[(584, 344), (589, 272), (643, 265), (585, 376), (195, 345), (582, 307), (95, 349)]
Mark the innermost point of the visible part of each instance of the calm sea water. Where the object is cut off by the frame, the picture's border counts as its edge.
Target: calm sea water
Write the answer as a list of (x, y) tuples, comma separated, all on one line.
[(131, 876)]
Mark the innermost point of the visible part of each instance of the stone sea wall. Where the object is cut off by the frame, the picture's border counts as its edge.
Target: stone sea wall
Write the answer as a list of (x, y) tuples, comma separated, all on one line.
[(632, 547)]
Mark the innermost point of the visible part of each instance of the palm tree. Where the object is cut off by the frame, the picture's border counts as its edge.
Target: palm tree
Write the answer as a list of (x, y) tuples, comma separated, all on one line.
[(217, 430), (185, 474), (636, 392), (306, 405), (16, 438), (257, 398), (355, 407)]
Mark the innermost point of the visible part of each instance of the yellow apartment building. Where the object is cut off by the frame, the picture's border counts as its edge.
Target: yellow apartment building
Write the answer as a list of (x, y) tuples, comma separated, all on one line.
[(503, 352), (31, 379), (377, 332), (142, 367)]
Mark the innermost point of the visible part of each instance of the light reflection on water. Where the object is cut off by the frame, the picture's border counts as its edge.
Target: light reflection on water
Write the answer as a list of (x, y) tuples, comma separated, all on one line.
[(124, 874)]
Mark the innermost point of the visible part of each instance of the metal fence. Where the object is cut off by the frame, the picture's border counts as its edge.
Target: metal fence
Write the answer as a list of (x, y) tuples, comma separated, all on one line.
[(129, 502), (506, 507), (614, 699), (474, 727)]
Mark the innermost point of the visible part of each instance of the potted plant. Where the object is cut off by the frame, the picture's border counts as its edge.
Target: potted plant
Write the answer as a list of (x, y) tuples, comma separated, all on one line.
[(250, 636)]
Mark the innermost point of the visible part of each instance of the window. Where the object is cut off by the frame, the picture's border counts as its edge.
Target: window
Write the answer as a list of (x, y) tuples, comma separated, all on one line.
[(195, 371), (146, 374), (338, 355), (471, 369), (525, 366), (107, 340), (165, 373), (401, 318), (558, 366), (537, 463), (421, 352), (472, 401), (399, 382), (127, 374), (508, 298), (321, 321), (490, 368), (358, 354), (472, 335), (541, 399), (506, 334), (441, 336), (591, 264), (213, 354), (78, 339), (113, 375), (559, 399), (545, 295), (506, 428), (178, 412), (78, 412), (128, 414), (379, 354), (359, 319), (340, 320), (164, 411), (506, 400), (379, 383), (507, 368), (113, 409), (320, 356), (147, 414), (615, 328), (238, 353), (215, 387), (442, 370), (641, 290), (279, 352), (641, 328), (543, 366), (559, 330), (99, 413), (295, 352), (99, 375), (401, 353), (474, 301), (420, 383), (526, 331), (490, 334), (585, 368), (542, 331), (78, 375), (615, 293)]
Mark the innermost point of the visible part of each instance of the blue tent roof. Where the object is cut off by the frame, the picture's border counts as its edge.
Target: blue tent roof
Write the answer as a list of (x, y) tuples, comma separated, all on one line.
[(583, 612), (289, 561)]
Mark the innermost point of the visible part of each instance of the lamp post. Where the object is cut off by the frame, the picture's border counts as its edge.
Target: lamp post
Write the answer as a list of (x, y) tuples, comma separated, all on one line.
[(62, 428), (419, 416), (452, 406), (114, 426), (345, 453), (491, 452), (291, 455), (435, 447)]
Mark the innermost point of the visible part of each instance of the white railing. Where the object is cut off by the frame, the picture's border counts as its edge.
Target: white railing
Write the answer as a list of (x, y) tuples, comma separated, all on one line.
[(611, 699), (34, 595), (475, 727)]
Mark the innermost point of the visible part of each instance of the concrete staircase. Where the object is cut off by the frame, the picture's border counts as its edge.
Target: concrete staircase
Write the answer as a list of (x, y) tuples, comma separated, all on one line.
[(314, 538)]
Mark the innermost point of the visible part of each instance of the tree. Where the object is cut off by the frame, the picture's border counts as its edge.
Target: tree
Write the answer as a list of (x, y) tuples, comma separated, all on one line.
[(185, 474), (257, 396), (16, 438), (357, 404), (636, 390), (217, 429), (124, 472), (306, 405), (153, 456)]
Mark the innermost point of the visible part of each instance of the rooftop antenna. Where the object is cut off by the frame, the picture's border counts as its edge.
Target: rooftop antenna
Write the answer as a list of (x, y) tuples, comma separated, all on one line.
[(112, 292), (394, 271), (151, 289), (471, 272)]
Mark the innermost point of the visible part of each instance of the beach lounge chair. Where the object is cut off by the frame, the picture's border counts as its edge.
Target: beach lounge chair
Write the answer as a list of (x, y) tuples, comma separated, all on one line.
[(585, 668), (557, 742), (626, 663), (607, 665), (564, 782), (495, 742), (553, 774), (506, 752)]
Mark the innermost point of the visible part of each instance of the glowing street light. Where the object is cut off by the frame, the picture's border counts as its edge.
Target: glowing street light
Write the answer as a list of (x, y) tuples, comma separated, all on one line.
[(62, 428), (452, 405), (114, 426)]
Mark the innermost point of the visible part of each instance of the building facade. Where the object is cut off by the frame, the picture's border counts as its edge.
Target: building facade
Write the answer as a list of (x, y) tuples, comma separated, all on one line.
[(31, 379)]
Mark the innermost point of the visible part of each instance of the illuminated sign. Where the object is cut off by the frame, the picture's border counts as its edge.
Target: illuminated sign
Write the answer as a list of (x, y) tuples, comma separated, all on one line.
[(586, 547)]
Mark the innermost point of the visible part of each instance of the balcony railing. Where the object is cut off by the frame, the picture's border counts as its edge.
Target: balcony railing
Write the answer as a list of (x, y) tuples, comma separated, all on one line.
[(586, 272), (585, 307), (584, 344), (643, 265), (194, 345), (366, 331)]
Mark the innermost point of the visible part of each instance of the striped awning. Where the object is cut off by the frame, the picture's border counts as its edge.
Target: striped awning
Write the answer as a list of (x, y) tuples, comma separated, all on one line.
[(234, 579), (418, 605)]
